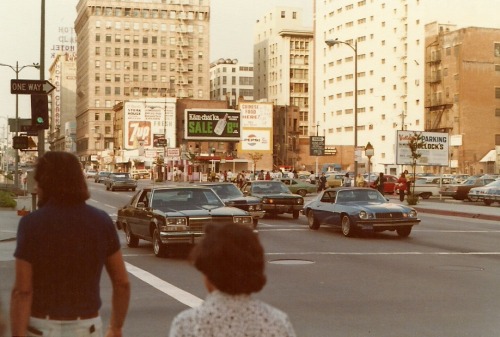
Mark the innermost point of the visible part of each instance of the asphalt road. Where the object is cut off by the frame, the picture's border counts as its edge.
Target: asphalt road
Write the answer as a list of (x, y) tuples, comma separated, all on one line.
[(441, 281)]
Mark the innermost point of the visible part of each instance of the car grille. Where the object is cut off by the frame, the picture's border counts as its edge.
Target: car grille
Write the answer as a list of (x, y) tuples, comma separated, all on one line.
[(197, 224), (284, 201), (391, 215)]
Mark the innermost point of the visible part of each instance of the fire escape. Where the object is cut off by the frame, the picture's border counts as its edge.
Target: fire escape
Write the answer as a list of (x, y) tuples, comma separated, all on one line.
[(434, 103)]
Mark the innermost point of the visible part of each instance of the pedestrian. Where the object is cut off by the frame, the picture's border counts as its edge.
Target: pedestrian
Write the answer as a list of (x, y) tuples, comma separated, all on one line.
[(312, 178), (322, 182), (402, 185), (360, 181), (61, 250), (379, 183), (231, 259), (408, 182), (261, 175), (346, 181), (268, 175)]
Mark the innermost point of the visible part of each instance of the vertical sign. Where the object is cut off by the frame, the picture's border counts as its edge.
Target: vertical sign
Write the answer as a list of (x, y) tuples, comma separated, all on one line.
[(317, 146)]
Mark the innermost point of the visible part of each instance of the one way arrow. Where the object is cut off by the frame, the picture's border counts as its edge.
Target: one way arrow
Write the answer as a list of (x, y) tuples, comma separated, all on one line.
[(31, 87)]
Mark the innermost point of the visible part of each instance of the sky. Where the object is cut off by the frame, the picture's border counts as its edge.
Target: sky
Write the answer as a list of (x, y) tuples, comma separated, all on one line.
[(232, 26)]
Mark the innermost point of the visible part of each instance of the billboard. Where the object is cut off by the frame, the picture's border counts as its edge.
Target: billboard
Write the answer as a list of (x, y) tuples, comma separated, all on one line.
[(212, 124), (434, 152), (146, 122), (256, 140), (256, 115)]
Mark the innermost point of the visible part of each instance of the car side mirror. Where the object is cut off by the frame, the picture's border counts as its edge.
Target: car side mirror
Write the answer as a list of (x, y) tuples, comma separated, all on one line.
[(141, 204), (246, 193)]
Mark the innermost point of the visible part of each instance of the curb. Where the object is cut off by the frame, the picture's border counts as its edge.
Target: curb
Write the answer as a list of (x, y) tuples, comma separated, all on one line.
[(459, 214)]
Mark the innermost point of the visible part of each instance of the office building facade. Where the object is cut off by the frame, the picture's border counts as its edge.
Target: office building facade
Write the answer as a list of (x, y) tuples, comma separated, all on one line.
[(129, 50)]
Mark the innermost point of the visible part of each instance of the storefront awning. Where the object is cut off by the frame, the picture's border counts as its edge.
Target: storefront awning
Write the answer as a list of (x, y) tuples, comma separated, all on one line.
[(490, 156)]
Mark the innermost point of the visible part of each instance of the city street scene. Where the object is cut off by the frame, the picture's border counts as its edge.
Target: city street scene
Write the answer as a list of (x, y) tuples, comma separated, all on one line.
[(302, 168)]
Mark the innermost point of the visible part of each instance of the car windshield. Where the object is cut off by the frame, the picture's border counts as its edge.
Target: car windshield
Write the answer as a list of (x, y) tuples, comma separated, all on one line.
[(469, 182), (356, 195), (181, 199), (121, 176), (269, 187), (226, 191)]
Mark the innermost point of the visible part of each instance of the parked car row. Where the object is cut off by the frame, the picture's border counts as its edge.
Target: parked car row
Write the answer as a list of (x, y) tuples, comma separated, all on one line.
[(489, 193), (461, 191)]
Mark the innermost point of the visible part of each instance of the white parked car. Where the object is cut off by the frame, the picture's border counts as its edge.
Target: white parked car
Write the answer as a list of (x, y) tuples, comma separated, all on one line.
[(90, 174)]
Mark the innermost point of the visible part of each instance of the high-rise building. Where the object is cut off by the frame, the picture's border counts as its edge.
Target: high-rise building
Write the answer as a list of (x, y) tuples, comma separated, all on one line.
[(230, 80), (62, 102), (389, 40), (129, 50), (283, 62), (462, 93)]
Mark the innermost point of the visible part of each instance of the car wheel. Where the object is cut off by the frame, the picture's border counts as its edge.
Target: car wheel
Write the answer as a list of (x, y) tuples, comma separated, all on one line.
[(158, 247), (312, 221), (404, 231), (133, 189), (425, 195), (107, 188), (487, 202), (302, 193), (132, 240), (296, 214), (473, 198), (347, 227), (255, 223)]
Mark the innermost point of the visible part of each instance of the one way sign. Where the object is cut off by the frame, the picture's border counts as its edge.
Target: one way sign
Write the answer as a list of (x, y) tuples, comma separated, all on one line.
[(30, 87)]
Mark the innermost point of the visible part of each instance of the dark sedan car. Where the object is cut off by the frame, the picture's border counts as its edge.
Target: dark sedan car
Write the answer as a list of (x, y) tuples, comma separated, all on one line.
[(357, 208), (174, 215), (232, 196), (461, 191), (275, 196), (120, 181)]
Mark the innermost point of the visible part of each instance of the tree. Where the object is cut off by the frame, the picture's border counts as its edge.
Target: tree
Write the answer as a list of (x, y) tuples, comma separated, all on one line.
[(415, 142), (255, 156)]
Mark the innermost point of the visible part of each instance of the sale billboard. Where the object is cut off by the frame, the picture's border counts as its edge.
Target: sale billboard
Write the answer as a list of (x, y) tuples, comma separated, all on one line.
[(212, 124)]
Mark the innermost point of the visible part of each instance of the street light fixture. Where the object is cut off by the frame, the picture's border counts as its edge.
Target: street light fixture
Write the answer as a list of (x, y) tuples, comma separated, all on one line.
[(369, 151), (331, 43), (17, 70)]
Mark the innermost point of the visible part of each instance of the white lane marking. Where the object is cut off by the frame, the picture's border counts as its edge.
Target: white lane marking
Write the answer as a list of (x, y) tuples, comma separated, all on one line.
[(180, 295), (383, 253)]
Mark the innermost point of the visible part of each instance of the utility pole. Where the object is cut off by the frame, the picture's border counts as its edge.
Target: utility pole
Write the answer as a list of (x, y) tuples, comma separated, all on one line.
[(41, 132)]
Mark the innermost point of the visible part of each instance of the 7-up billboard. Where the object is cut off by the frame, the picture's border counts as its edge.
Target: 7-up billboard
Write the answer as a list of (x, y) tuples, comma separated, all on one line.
[(216, 124)]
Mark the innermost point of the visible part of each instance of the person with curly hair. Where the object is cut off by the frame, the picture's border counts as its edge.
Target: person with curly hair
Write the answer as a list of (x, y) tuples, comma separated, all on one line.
[(231, 259)]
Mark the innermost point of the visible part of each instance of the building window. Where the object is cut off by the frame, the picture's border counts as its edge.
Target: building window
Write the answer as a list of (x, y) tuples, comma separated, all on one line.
[(497, 92), (282, 14), (497, 49)]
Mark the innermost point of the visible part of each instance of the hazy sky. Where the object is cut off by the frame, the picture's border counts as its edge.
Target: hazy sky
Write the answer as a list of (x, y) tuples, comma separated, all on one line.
[(232, 25)]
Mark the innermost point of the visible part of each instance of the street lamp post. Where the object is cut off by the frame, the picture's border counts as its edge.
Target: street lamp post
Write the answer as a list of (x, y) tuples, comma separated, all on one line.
[(355, 49), (17, 70), (369, 151)]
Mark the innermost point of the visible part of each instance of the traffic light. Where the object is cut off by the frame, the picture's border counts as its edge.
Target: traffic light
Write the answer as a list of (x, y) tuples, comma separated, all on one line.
[(40, 111)]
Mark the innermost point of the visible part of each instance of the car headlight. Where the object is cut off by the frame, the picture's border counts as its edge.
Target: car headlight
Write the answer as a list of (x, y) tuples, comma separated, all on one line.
[(365, 215), (174, 224), (412, 214), (267, 201), (243, 220), (300, 201)]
